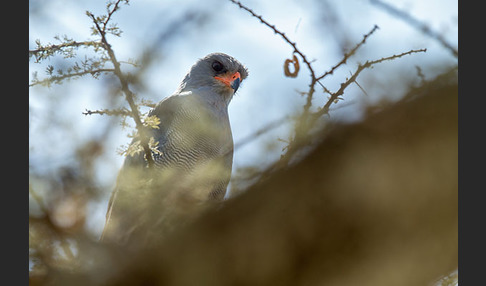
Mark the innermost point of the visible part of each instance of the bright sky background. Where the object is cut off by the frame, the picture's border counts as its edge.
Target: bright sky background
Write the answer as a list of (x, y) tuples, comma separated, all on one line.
[(266, 95)]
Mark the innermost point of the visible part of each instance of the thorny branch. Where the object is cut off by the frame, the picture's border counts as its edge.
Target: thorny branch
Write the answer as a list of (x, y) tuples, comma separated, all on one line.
[(110, 13), (60, 78), (66, 48), (308, 119), (368, 64), (294, 46), (43, 52), (348, 55), (124, 86), (418, 24), (122, 112)]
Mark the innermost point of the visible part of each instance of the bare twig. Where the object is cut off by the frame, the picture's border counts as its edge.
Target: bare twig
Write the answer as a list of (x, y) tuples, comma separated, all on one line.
[(348, 55), (147, 103), (111, 12), (420, 74), (416, 23), (122, 112), (59, 78), (293, 44), (310, 93), (368, 64), (360, 87), (301, 139), (43, 52), (307, 120)]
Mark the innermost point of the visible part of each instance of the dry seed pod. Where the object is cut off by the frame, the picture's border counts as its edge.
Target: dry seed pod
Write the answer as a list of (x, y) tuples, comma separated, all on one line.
[(287, 72)]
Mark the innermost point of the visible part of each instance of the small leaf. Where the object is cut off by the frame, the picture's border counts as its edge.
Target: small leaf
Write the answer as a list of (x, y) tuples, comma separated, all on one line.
[(49, 69), (152, 122)]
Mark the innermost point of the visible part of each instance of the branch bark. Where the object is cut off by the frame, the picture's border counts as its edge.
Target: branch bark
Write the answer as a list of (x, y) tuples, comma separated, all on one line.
[(128, 93)]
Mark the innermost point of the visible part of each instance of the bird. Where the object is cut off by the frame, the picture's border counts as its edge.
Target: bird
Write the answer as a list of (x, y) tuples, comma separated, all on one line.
[(193, 157)]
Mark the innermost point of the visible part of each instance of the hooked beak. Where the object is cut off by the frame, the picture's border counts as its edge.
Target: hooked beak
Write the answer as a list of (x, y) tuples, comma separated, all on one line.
[(230, 80)]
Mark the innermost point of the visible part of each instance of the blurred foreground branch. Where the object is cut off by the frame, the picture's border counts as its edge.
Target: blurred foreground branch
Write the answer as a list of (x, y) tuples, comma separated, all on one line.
[(424, 28), (308, 119), (375, 203)]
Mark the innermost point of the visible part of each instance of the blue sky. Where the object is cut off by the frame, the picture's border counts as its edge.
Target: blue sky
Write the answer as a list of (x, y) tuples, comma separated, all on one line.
[(320, 30)]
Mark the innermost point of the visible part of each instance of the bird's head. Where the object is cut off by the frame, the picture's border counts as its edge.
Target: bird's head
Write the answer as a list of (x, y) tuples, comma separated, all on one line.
[(219, 72)]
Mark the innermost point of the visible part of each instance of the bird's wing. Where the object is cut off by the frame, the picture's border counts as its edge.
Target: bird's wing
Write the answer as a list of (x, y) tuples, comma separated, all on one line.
[(188, 136), (121, 194)]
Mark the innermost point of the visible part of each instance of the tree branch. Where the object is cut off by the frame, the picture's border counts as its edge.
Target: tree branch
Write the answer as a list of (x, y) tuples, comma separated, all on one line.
[(418, 24), (128, 93), (368, 64), (348, 55), (58, 78), (306, 121), (296, 50), (43, 52), (122, 112)]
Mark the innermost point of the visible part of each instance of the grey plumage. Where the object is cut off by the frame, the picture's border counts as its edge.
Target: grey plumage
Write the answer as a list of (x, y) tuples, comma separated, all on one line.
[(194, 158)]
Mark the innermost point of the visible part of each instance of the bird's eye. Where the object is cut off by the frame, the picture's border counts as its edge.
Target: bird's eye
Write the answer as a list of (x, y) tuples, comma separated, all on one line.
[(217, 66)]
